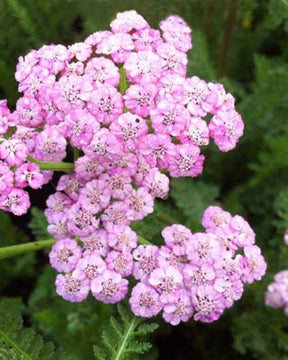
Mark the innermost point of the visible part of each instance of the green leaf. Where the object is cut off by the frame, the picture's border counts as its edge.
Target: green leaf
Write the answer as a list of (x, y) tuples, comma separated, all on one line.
[(18, 342), (21, 267), (192, 198), (200, 63), (39, 224), (120, 339), (74, 326)]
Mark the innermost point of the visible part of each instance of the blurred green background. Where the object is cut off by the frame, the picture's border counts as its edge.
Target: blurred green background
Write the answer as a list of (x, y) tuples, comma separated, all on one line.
[(244, 45)]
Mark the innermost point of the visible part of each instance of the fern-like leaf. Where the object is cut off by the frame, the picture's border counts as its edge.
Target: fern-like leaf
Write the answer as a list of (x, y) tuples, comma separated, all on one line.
[(17, 342), (39, 224), (121, 340)]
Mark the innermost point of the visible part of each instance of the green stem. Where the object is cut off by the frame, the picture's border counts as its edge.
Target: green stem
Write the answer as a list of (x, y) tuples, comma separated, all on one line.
[(166, 219), (20, 249), (52, 166), (76, 153), (14, 345), (14, 250), (123, 81), (123, 347), (143, 241), (227, 37)]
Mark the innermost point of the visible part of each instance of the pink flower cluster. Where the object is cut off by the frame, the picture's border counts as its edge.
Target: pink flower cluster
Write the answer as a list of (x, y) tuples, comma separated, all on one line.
[(197, 275), (277, 293), (121, 99), (78, 95), (15, 172)]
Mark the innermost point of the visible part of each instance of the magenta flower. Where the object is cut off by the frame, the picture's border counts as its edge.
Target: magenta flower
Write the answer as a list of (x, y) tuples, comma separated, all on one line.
[(175, 62), (109, 287), (102, 71), (16, 201), (80, 127), (196, 132), (95, 196), (146, 261), (178, 308), (276, 295), (71, 185), (130, 132), (50, 145), (140, 100), (29, 174), (169, 118), (115, 215), (166, 281), (120, 262), (64, 255), (208, 304), (231, 290), (144, 66), (203, 247), (91, 265), (104, 143), (155, 149), (6, 178), (195, 276), (29, 113), (127, 129), (215, 217), (96, 243), (81, 221), (127, 21), (196, 91), (156, 183), (144, 301), (105, 103), (185, 160), (72, 287), (146, 39), (122, 239), (58, 227), (13, 151), (81, 51), (88, 169), (166, 257), (253, 264), (4, 114), (140, 204), (226, 128), (56, 204), (176, 237)]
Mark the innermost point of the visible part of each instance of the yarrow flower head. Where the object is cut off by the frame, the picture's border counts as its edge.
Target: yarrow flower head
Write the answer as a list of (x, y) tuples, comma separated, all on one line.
[(120, 101)]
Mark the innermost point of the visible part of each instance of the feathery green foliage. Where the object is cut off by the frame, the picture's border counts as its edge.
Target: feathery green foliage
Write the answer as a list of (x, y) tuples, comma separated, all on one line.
[(192, 198), (17, 342), (39, 224), (14, 268), (73, 326), (120, 341)]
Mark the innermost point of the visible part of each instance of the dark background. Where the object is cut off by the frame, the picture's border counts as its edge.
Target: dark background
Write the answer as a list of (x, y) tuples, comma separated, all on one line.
[(241, 43)]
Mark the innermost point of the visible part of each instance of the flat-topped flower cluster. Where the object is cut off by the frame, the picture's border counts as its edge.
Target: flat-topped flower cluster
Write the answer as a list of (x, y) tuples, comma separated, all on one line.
[(276, 295), (77, 95), (198, 274), (121, 103)]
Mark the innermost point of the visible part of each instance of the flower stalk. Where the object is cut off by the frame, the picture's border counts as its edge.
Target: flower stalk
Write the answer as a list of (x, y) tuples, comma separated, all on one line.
[(52, 166), (14, 250)]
